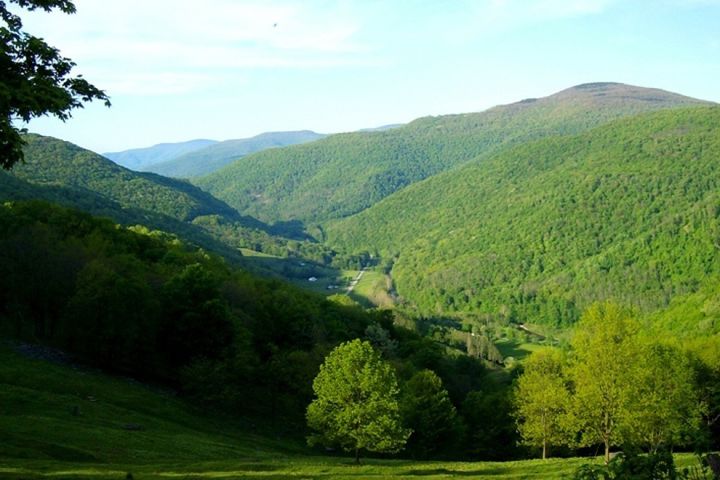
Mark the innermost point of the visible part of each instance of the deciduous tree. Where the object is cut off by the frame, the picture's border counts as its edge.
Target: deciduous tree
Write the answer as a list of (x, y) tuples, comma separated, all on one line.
[(542, 401), (36, 79), (605, 349), (427, 410), (355, 405)]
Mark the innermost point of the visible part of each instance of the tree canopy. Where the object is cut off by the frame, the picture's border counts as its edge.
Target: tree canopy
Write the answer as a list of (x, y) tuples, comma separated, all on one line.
[(36, 79), (542, 400), (356, 404)]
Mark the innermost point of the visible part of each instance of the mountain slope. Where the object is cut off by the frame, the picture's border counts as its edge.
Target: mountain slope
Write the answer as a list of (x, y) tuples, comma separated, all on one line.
[(627, 211), (346, 173), (63, 173), (49, 161), (142, 158), (211, 158)]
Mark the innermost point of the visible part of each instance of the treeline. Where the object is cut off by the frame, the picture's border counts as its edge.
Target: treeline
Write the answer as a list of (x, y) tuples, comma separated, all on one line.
[(138, 302), (613, 386), (628, 211), (347, 173), (617, 386)]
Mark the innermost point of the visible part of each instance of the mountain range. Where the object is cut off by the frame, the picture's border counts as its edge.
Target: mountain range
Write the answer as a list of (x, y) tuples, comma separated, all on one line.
[(526, 212), (140, 159), (213, 157), (346, 173), (201, 157)]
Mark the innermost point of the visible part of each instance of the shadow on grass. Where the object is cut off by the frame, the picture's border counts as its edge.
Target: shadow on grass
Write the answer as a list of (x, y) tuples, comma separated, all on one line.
[(457, 473)]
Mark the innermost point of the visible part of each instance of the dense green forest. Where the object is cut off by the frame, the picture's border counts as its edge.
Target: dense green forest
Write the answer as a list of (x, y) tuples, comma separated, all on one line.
[(627, 211), (61, 172), (213, 157), (138, 302), (346, 173), (49, 161)]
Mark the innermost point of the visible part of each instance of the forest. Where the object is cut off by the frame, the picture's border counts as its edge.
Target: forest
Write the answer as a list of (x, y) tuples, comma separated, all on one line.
[(529, 291)]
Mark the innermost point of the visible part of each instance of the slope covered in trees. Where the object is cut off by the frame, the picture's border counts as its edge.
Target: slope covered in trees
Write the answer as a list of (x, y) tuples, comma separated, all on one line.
[(141, 303), (346, 173), (213, 157), (627, 211), (49, 161), (141, 159), (63, 173)]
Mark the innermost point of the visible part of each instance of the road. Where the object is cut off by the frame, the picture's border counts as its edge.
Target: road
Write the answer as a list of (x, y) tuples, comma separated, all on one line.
[(356, 280)]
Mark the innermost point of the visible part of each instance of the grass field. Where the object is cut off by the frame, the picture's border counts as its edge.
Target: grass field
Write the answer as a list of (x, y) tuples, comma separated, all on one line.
[(64, 422), (372, 290)]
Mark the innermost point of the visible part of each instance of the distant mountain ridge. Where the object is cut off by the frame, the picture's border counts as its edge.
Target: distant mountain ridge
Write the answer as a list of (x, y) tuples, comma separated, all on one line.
[(67, 174), (139, 159), (343, 174), (206, 160)]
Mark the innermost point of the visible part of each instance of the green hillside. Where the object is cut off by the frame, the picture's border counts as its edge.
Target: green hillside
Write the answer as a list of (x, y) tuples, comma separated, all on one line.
[(346, 173), (49, 161), (63, 173), (140, 159), (626, 211), (213, 157)]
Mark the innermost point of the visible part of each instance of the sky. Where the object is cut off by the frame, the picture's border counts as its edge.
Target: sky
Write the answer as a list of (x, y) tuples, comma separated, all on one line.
[(177, 70)]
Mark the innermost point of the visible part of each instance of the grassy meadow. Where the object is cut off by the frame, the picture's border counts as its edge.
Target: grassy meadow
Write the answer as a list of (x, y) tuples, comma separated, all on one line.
[(65, 422)]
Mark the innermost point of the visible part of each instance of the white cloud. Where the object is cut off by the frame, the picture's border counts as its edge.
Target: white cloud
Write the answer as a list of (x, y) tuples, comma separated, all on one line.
[(185, 45)]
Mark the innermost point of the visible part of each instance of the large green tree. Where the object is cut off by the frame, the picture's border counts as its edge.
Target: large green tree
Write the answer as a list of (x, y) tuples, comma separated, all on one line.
[(542, 401), (604, 349), (427, 410), (355, 405), (36, 79), (666, 408)]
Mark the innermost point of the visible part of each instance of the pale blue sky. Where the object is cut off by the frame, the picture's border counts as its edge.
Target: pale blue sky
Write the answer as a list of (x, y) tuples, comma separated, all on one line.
[(183, 69)]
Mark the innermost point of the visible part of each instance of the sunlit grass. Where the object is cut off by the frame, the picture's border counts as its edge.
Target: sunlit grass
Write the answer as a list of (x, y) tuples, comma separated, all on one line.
[(43, 436)]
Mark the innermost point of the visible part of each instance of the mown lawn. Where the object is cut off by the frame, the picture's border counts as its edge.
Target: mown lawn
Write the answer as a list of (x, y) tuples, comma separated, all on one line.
[(64, 422)]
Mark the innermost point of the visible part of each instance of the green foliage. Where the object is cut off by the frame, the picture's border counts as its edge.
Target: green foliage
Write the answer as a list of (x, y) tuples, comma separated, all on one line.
[(42, 437), (604, 347), (619, 389), (60, 172), (491, 432), (49, 161), (627, 211), (427, 411), (36, 79), (666, 407), (141, 304), (355, 403), (633, 466), (542, 401), (344, 174)]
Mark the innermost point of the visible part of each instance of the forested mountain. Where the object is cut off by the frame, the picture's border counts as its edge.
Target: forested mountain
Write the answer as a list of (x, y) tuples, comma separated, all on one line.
[(142, 158), (346, 173), (211, 158), (627, 211), (64, 173), (49, 161)]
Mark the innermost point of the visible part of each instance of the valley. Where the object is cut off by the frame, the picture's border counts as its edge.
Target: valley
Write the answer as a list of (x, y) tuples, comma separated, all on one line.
[(461, 248)]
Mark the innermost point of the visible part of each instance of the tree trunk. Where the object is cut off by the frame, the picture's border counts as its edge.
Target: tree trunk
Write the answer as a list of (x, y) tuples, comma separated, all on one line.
[(607, 452), (357, 456), (544, 449)]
